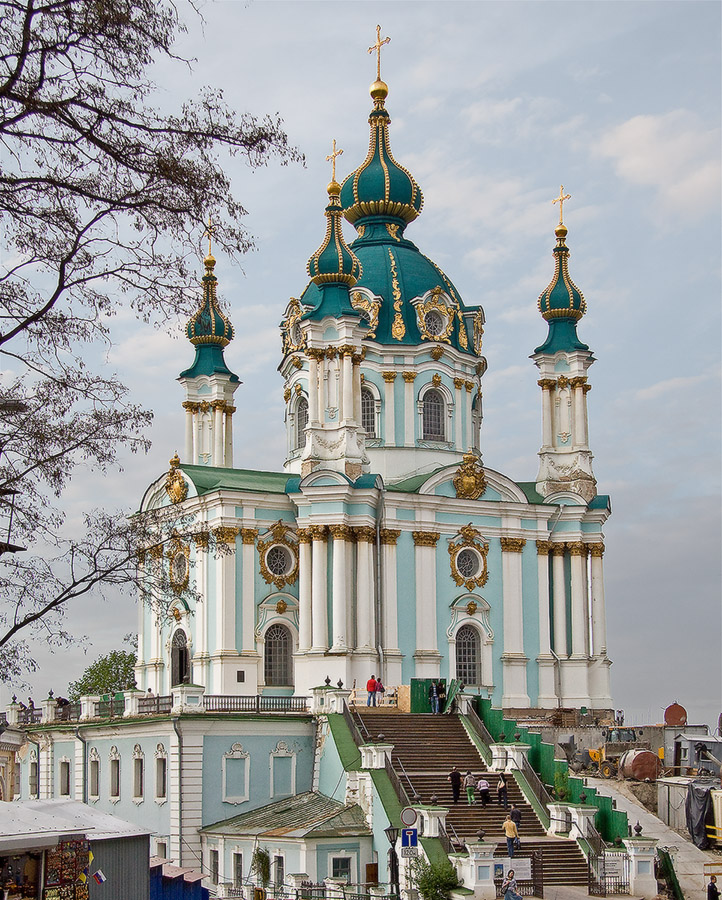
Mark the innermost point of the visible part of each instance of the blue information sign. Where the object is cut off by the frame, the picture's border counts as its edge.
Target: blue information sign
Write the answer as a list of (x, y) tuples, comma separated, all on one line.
[(409, 837)]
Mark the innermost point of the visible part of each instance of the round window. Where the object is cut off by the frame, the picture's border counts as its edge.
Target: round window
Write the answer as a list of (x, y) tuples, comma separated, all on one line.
[(179, 568), (434, 323), (278, 560), (296, 335), (467, 562)]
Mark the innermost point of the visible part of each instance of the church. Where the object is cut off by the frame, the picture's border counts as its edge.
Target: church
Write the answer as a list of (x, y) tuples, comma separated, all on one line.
[(385, 546)]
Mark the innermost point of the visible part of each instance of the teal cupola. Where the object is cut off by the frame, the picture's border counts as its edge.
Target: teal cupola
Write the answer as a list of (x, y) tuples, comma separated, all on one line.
[(380, 186), (561, 303), (209, 330)]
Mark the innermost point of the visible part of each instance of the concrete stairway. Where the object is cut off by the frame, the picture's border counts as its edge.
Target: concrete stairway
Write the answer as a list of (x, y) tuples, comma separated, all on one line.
[(427, 747)]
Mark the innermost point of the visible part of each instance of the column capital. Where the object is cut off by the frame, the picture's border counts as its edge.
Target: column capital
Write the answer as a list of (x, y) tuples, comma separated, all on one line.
[(347, 350), (317, 532), (389, 536), (469, 385), (546, 384), (189, 406), (365, 533), (340, 532), (458, 383), (218, 404), (389, 377), (316, 353), (200, 539), (425, 538), (543, 547), (249, 535), (409, 376), (559, 549), (578, 381), (577, 548), (226, 534), (596, 550), (331, 352), (304, 536), (512, 545)]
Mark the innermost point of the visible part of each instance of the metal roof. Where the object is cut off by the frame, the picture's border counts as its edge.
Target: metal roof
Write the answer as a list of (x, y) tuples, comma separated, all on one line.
[(309, 814)]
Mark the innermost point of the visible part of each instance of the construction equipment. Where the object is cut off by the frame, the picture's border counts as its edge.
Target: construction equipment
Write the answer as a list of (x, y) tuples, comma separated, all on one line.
[(617, 742)]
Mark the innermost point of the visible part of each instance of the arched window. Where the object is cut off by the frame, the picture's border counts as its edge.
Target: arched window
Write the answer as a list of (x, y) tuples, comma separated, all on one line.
[(468, 655), (368, 412), (277, 662), (301, 422), (180, 664), (433, 416)]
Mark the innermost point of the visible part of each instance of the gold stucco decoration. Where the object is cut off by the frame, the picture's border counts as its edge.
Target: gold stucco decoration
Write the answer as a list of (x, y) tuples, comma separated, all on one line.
[(471, 571), (178, 554), (278, 536), (292, 337), (478, 331), (398, 329), (469, 481), (471, 608), (370, 308), (281, 607), (445, 308), (175, 483)]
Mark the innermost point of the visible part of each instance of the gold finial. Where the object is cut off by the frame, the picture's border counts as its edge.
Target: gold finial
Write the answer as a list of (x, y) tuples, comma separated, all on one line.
[(560, 200), (209, 232), (377, 47), (332, 159)]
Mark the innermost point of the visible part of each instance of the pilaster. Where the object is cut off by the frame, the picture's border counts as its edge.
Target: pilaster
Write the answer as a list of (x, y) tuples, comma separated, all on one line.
[(341, 536), (514, 660), (547, 697), (409, 407), (389, 420), (427, 655), (389, 612), (365, 589), (305, 590), (319, 618)]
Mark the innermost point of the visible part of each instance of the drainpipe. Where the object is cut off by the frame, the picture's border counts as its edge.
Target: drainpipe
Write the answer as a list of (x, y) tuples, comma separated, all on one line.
[(379, 581), (175, 720), (82, 740), (557, 662)]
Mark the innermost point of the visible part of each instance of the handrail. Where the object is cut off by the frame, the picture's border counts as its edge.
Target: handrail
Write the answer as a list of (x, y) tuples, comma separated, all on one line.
[(480, 727), (353, 728), (414, 795), (535, 783), (445, 840)]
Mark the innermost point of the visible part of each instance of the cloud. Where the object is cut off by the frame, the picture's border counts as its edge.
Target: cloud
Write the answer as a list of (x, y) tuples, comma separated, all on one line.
[(674, 153), (664, 388)]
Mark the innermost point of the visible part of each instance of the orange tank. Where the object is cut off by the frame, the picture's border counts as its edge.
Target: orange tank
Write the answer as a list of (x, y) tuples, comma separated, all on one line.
[(639, 765)]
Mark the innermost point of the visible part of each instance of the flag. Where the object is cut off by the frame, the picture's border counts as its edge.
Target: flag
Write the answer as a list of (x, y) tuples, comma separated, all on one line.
[(99, 877)]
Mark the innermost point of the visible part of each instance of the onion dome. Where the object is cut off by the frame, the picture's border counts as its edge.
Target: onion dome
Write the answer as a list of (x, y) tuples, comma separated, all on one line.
[(209, 330), (380, 186), (561, 303), (334, 262)]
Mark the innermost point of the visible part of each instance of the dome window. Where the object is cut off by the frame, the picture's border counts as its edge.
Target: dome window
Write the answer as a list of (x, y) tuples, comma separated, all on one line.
[(368, 413), (433, 416), (434, 323), (278, 560)]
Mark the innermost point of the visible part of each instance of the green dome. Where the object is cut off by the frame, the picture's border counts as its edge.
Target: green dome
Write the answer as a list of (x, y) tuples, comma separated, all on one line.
[(380, 186), (562, 304), (333, 262)]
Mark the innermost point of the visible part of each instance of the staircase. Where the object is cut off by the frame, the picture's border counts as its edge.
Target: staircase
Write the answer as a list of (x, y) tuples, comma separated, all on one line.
[(426, 747)]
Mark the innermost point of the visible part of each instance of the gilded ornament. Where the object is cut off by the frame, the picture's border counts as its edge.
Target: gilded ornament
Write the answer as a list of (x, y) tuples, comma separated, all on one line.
[(393, 230), (469, 386), (175, 483), (596, 550), (409, 377), (463, 340), (292, 336), (287, 394), (277, 534), (304, 536), (390, 536), (281, 607), (189, 406), (560, 200), (362, 377), (200, 539), (389, 377), (562, 381), (318, 532), (470, 481), (436, 379), (365, 533), (296, 361), (471, 608), (249, 535), (331, 352), (478, 331), (204, 407), (298, 389), (577, 548), (586, 388), (340, 532), (425, 538), (543, 547), (176, 614), (140, 555), (346, 350), (471, 539), (178, 555), (398, 329), (361, 230), (546, 384), (512, 545), (558, 549), (156, 551), (458, 383), (226, 534), (579, 381), (444, 307), (437, 353), (370, 309)]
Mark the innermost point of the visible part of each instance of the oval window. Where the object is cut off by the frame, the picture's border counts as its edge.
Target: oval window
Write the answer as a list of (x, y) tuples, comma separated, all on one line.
[(434, 323), (179, 568), (278, 560), (467, 562)]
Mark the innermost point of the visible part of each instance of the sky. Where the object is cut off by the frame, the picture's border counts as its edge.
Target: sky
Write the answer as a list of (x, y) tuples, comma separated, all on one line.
[(493, 106)]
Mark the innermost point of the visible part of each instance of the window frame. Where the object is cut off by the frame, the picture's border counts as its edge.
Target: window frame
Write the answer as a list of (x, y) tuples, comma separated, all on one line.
[(64, 777), (287, 662), (428, 396)]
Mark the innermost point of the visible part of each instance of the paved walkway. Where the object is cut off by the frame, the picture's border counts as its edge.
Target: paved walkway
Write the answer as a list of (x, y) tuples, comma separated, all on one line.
[(688, 860)]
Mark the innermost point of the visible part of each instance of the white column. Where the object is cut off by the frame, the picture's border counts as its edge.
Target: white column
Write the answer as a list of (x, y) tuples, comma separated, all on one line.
[(200, 655), (560, 601), (389, 424), (226, 590), (514, 661), (218, 436), (365, 536), (427, 653), (198, 439), (599, 618), (319, 618), (458, 397), (304, 589), (390, 640), (546, 385), (248, 599), (312, 386), (547, 695), (188, 454), (409, 408), (347, 413), (578, 553), (579, 429), (228, 456), (356, 384), (338, 599), (468, 400)]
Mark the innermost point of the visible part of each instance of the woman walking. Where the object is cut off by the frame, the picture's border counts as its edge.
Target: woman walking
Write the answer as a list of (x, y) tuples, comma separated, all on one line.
[(470, 784), (510, 888), (512, 836), (501, 792)]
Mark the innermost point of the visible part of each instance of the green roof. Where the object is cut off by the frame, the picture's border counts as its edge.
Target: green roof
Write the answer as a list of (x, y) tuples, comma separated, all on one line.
[(214, 478), (532, 494), (411, 485)]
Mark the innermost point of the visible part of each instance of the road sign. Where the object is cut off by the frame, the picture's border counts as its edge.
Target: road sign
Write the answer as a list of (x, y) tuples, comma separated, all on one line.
[(408, 816), (409, 837), (409, 852)]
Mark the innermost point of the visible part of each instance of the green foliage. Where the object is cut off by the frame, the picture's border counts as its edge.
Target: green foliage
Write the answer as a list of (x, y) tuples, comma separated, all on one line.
[(261, 865), (435, 880), (561, 784), (108, 674)]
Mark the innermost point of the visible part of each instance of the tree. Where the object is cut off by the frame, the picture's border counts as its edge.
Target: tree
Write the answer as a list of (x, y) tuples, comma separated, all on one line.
[(435, 880), (102, 202), (115, 671)]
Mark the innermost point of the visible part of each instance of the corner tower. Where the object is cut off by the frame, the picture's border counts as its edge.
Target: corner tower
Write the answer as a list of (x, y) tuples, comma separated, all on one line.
[(209, 384), (565, 460)]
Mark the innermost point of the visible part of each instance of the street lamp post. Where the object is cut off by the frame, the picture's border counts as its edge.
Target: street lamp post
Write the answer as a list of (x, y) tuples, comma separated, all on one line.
[(392, 834)]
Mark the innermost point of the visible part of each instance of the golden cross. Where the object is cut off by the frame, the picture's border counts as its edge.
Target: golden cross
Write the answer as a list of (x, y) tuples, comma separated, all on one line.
[(377, 47), (209, 232), (560, 200), (332, 160)]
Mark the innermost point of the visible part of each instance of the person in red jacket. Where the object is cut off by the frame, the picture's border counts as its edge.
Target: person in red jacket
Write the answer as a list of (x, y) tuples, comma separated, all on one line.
[(371, 689)]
